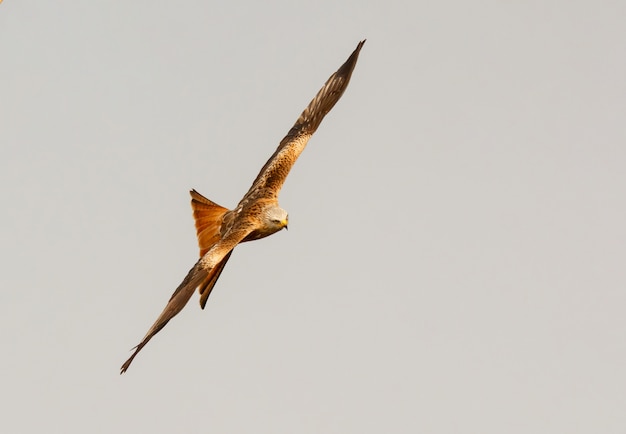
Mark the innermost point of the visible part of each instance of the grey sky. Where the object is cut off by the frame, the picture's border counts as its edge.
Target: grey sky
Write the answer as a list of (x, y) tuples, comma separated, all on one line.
[(455, 261)]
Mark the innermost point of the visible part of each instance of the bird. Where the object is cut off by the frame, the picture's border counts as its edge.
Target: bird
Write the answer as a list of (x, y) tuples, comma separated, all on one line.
[(258, 214)]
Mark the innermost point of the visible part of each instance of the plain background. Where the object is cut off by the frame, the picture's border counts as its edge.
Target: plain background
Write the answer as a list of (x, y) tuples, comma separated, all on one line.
[(455, 260)]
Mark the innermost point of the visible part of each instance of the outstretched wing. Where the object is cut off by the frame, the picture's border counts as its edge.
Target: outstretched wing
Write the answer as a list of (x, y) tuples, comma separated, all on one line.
[(272, 176), (178, 300), (198, 273)]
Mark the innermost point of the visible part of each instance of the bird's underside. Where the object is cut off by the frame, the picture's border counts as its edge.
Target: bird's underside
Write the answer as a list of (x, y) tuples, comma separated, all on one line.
[(257, 215)]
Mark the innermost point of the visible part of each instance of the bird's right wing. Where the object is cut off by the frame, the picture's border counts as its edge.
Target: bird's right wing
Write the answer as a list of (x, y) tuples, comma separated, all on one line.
[(273, 174)]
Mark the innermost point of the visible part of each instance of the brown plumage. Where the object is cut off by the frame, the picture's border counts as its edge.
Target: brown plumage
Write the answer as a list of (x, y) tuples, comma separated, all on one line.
[(257, 215)]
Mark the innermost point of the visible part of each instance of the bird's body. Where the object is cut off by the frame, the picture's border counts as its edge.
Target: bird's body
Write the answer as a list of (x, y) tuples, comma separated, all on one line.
[(258, 214)]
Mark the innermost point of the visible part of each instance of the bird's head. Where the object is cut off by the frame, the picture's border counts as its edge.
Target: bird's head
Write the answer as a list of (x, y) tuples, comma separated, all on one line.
[(276, 218)]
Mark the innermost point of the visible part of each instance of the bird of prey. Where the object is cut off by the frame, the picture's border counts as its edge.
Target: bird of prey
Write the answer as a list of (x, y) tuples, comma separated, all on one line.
[(257, 215)]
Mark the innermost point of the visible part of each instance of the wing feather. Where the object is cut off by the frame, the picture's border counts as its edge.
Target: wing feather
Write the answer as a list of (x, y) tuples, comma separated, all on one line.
[(273, 174)]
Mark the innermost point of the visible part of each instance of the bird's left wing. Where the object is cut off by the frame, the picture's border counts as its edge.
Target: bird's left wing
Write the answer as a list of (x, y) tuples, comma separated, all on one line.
[(273, 174), (195, 277)]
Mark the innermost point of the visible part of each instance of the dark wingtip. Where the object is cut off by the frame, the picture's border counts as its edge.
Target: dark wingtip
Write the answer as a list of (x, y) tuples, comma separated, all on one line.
[(348, 66), (126, 364), (135, 350)]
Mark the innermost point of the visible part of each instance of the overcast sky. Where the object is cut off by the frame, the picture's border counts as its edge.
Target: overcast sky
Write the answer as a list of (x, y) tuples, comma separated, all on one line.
[(456, 254)]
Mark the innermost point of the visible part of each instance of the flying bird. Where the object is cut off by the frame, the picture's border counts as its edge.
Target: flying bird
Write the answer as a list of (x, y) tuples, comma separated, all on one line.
[(220, 230)]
